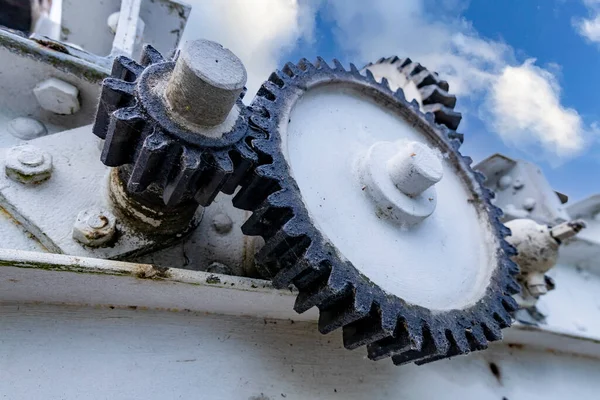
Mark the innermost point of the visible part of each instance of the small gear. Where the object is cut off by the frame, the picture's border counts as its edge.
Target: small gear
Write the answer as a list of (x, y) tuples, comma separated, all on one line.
[(319, 224), (186, 161), (429, 90)]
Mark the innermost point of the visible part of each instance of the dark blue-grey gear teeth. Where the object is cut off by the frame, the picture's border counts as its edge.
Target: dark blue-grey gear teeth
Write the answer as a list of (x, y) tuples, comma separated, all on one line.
[(149, 161), (433, 90), (182, 164), (296, 252)]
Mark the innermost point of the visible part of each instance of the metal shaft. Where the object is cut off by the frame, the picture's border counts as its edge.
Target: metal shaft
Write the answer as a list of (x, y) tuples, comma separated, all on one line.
[(206, 82)]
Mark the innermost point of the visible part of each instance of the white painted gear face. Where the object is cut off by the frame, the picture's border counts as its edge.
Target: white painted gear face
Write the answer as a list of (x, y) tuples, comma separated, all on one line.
[(442, 262)]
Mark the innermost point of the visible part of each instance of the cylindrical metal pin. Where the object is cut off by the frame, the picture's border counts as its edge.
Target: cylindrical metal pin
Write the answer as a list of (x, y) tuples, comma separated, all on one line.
[(206, 82)]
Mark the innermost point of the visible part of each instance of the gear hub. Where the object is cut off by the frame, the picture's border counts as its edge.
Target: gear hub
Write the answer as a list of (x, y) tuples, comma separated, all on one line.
[(367, 207)]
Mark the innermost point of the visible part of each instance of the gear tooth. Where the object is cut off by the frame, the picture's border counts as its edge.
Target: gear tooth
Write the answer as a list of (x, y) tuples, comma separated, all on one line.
[(405, 61), (443, 85), (480, 177), (322, 64), (509, 303), (280, 254), (399, 94), (424, 78), (354, 70), (353, 307), (476, 338), (187, 170), (435, 344), (115, 94), (267, 91), (458, 138), (254, 190), (394, 59), (268, 217), (370, 76), (414, 104), (430, 118), (124, 128), (511, 268), (467, 160), (290, 70), (259, 123), (508, 248), (385, 83), (458, 344), (309, 267), (306, 66), (150, 56), (504, 231), (502, 317), (329, 290), (491, 330), (212, 177), (444, 115), (243, 159), (407, 337), (513, 288), (338, 65), (149, 161), (432, 94), (277, 79), (379, 61), (377, 325), (124, 68)]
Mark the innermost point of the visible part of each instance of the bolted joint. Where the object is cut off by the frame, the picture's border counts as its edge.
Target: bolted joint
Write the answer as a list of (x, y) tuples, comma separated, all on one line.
[(94, 227), (57, 96), (206, 82), (28, 164)]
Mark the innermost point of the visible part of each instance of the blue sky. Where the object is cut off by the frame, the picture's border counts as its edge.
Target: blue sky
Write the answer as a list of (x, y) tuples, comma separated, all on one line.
[(524, 71)]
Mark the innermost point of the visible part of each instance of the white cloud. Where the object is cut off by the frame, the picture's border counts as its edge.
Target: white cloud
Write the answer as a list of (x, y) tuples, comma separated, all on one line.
[(521, 103), (257, 31), (524, 107), (589, 28)]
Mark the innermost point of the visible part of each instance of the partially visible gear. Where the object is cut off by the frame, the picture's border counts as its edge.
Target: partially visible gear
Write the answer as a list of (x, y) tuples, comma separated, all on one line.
[(166, 144), (420, 84), (297, 250)]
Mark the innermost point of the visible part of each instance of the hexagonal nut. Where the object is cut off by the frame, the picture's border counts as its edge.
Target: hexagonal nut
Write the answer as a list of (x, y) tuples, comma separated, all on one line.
[(94, 227), (57, 96), (28, 164)]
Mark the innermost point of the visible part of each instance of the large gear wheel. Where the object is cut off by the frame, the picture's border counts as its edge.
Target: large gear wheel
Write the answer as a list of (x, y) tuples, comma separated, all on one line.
[(384, 274), (186, 161), (420, 84)]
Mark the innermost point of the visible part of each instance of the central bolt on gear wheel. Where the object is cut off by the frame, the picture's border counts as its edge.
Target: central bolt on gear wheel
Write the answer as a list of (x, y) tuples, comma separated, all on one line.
[(181, 125), (367, 207), (420, 84)]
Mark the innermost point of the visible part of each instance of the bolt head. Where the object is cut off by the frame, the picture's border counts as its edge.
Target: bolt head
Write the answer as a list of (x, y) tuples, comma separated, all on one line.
[(94, 227), (26, 128), (529, 203), (504, 182), (518, 184), (28, 164), (222, 223), (113, 21), (57, 96)]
